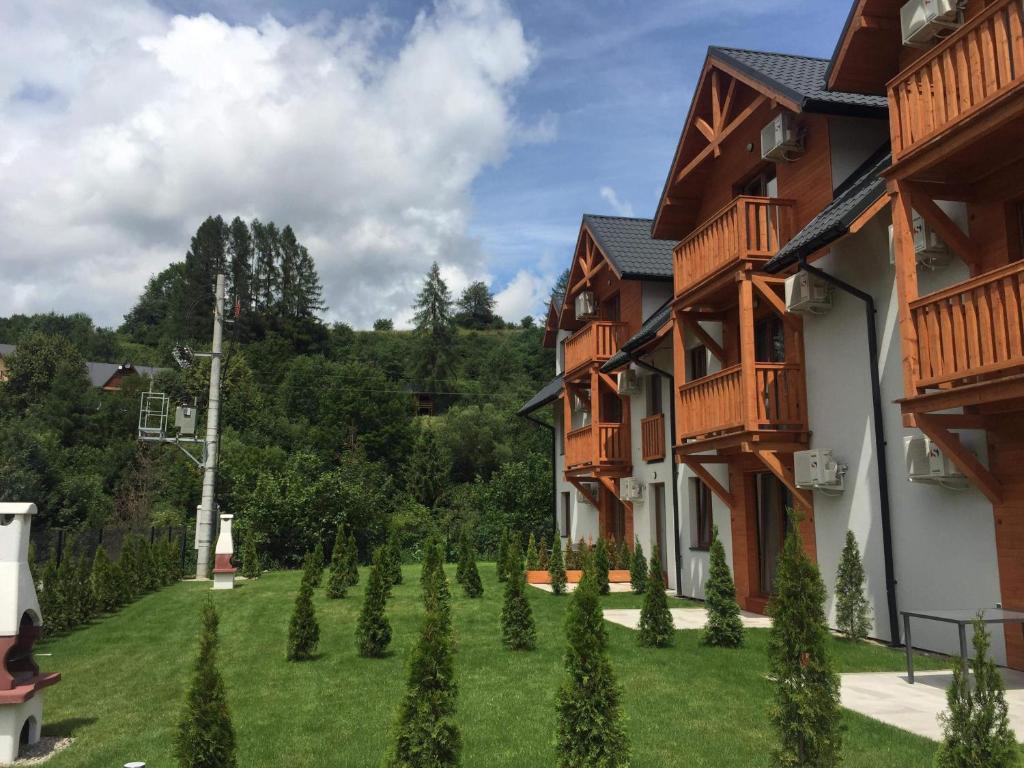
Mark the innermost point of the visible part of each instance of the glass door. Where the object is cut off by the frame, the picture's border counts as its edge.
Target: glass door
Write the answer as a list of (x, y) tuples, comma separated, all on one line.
[(773, 499)]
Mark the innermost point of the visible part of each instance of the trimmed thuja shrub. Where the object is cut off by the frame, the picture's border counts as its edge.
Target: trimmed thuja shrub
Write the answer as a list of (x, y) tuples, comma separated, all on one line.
[(352, 560), (638, 569), (806, 714), (373, 631), (543, 554), (532, 558), (852, 609), (426, 732), (393, 560), (303, 631), (251, 568), (724, 626), (625, 557), (976, 729), (518, 631), (601, 566), (556, 569), (337, 579), (471, 583), (589, 709), (656, 630), (206, 738), (465, 555), (317, 568), (502, 555), (104, 582), (433, 561)]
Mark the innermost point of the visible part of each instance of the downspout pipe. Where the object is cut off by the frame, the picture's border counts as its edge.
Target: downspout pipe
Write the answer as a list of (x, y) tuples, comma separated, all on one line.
[(675, 467), (554, 466), (880, 442)]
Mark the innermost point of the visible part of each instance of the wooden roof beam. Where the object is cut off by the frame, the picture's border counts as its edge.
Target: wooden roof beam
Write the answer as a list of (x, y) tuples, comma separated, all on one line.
[(713, 148)]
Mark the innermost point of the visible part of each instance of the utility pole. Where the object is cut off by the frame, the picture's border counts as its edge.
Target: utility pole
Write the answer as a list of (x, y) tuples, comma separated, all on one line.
[(207, 509)]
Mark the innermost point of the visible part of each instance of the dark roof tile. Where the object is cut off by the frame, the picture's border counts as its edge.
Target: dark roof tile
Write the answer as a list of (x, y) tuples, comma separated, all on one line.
[(547, 394), (630, 248)]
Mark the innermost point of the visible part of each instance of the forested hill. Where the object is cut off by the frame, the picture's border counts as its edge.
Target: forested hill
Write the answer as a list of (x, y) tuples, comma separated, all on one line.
[(319, 425)]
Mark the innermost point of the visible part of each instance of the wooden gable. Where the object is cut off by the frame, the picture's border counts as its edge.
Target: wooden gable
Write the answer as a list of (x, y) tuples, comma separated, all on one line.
[(551, 326), (588, 263), (725, 101), (868, 53)]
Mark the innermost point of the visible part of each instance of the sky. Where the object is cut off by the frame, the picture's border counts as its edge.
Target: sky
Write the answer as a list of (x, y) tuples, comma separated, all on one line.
[(389, 134)]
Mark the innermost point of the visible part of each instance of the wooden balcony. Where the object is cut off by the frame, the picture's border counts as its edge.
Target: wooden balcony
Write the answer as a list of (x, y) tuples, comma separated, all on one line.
[(960, 81), (652, 437), (596, 447), (770, 398), (597, 341), (748, 229), (971, 331)]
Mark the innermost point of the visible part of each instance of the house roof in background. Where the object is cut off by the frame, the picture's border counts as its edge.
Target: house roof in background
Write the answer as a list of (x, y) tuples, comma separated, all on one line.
[(547, 394), (802, 79), (647, 333), (852, 198), (628, 245), (99, 373)]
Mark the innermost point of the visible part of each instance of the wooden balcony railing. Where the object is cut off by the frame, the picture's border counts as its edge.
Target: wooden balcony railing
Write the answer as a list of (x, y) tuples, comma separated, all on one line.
[(652, 437), (972, 329), (594, 343), (728, 401), (748, 228), (597, 445), (957, 79)]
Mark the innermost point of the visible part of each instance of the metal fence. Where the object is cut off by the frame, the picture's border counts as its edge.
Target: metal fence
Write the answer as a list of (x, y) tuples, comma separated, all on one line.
[(60, 543)]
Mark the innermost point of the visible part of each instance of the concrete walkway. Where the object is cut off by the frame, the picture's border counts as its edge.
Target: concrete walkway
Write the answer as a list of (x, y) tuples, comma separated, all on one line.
[(682, 618), (614, 587), (887, 696)]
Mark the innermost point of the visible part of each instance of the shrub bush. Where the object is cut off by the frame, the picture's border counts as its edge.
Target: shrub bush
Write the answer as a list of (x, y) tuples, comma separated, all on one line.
[(518, 631), (601, 566), (304, 630), (532, 558), (853, 617), (638, 571), (588, 703), (352, 560), (556, 569), (502, 555), (656, 629), (724, 626), (104, 582), (337, 579), (206, 738), (373, 631), (251, 568)]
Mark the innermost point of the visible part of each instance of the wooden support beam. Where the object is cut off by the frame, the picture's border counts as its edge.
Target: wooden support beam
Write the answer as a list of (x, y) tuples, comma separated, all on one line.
[(947, 229), (965, 461), (584, 490), (705, 338), (959, 420), (722, 136), (768, 293), (703, 127), (771, 460), (906, 282), (607, 379), (711, 482)]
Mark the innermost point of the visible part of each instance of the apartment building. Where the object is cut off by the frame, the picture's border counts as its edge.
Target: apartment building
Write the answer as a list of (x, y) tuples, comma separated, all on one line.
[(613, 461), (844, 331)]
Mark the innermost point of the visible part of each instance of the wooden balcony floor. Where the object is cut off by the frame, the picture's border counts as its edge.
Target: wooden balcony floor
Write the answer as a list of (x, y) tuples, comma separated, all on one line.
[(747, 441)]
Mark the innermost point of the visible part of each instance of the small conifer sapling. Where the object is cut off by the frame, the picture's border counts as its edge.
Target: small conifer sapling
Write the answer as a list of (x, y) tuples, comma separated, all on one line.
[(656, 629), (724, 627)]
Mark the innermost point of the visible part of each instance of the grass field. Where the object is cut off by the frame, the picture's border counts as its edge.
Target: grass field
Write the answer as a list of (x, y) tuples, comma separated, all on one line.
[(125, 677)]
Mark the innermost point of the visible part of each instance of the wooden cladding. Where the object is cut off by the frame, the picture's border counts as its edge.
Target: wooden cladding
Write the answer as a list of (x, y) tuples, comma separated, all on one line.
[(748, 228), (733, 400), (652, 437), (972, 329), (957, 79), (597, 341), (597, 445)]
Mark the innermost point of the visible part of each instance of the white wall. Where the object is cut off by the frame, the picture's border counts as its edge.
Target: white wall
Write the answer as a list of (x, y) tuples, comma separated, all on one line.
[(943, 540), (853, 140), (653, 295)]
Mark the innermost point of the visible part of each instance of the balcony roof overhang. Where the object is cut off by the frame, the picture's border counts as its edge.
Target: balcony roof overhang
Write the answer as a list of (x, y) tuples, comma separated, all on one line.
[(867, 53)]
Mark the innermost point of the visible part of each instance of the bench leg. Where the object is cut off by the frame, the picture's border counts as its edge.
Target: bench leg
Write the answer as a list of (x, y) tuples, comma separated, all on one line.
[(910, 649)]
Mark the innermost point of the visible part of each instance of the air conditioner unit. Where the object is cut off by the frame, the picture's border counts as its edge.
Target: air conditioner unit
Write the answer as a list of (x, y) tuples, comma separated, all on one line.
[(632, 489), (628, 382), (925, 21), (928, 463), (780, 139), (586, 305), (819, 470), (581, 497), (809, 293), (930, 251)]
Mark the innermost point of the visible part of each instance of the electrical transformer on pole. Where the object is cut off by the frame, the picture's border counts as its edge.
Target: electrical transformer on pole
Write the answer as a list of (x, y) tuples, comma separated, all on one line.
[(207, 508)]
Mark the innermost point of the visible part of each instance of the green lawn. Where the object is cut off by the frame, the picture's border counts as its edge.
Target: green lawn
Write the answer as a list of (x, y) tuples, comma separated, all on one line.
[(125, 676)]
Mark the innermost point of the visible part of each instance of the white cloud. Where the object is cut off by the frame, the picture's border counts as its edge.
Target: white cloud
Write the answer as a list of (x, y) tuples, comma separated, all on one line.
[(122, 128), (621, 207), (526, 294)]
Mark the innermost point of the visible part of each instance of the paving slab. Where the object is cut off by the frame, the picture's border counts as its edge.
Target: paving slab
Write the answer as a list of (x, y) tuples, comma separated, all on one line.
[(682, 618), (887, 696)]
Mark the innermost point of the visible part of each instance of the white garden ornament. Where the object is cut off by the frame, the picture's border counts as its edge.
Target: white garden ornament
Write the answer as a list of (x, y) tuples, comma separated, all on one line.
[(21, 703), (223, 570)]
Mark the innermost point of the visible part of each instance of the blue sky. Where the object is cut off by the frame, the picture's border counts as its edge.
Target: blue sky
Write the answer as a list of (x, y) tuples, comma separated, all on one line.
[(592, 123)]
